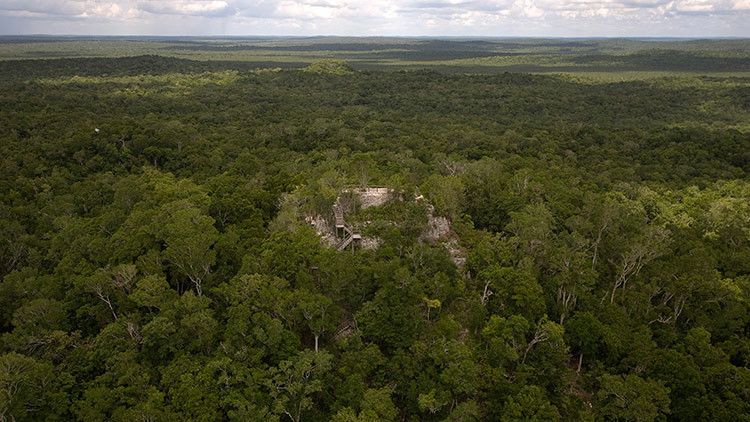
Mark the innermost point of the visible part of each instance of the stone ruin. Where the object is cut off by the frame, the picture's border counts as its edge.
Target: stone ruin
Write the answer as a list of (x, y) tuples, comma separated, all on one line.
[(338, 233)]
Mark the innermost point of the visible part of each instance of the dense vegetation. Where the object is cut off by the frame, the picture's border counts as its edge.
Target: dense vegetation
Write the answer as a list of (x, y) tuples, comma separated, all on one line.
[(613, 58), (156, 265)]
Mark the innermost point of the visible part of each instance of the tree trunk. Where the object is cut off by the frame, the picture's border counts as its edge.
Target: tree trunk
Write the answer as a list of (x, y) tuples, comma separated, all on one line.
[(580, 363), (316, 343), (197, 282)]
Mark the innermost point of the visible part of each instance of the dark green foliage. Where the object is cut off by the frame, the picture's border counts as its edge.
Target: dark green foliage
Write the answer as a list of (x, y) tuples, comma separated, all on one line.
[(156, 264)]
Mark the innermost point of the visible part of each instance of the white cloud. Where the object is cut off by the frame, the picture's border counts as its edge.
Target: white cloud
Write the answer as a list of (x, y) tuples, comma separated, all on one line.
[(384, 17), (694, 6), (529, 8), (199, 8)]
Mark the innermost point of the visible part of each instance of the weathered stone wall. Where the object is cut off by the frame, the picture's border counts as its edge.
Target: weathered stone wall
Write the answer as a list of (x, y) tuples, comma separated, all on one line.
[(438, 228), (323, 229), (372, 197)]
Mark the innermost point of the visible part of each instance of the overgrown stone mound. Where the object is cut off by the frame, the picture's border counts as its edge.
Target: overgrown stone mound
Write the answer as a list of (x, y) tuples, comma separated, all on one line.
[(341, 233), (330, 67)]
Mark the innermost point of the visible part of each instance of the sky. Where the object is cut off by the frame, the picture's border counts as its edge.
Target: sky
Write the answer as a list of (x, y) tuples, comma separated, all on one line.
[(495, 18)]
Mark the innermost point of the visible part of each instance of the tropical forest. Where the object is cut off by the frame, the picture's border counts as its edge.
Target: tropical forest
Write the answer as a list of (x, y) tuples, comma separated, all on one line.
[(374, 229)]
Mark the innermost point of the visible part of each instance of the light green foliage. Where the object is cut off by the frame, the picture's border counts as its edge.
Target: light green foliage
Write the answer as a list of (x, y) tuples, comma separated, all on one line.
[(432, 402), (468, 411), (29, 388), (153, 291), (529, 404), (114, 394), (446, 194), (330, 67), (532, 228), (631, 398), (187, 325), (376, 406), (505, 338), (515, 290), (189, 236), (318, 312), (293, 384)]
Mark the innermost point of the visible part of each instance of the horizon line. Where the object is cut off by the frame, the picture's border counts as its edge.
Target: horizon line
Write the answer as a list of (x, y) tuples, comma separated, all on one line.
[(593, 37)]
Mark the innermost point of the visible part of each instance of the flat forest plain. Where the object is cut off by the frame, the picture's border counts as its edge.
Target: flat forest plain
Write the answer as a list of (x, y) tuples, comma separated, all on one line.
[(156, 263)]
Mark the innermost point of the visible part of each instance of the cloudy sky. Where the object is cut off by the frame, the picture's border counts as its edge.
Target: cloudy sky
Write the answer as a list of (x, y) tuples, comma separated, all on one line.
[(685, 18)]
